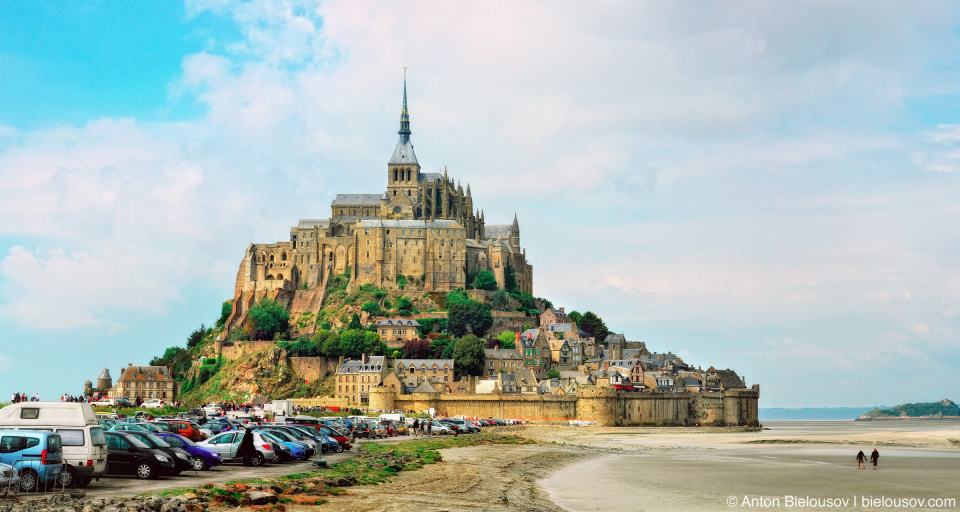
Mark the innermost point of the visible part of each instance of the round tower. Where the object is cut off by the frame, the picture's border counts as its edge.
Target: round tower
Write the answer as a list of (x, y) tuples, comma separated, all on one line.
[(104, 381), (87, 387)]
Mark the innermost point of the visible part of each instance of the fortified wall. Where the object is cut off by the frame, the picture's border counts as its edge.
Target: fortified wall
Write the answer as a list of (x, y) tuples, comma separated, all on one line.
[(605, 405)]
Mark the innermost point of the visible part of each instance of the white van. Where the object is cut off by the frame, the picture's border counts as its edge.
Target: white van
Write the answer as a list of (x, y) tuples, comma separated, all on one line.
[(84, 445), (394, 417)]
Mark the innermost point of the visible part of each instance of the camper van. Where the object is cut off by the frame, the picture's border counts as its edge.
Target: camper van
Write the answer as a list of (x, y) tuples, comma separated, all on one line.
[(395, 417), (82, 439)]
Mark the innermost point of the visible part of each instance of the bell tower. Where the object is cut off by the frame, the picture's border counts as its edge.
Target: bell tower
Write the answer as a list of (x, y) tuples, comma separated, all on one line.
[(403, 171)]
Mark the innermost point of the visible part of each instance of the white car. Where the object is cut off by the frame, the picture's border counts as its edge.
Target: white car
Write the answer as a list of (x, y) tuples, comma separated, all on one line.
[(213, 410), (155, 403), (104, 402)]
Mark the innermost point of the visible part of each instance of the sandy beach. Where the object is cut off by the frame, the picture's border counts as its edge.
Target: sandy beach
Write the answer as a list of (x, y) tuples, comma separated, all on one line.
[(670, 469)]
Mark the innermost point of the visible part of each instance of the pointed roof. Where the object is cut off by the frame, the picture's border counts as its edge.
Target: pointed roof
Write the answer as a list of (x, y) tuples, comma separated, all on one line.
[(105, 374), (403, 154), (515, 230)]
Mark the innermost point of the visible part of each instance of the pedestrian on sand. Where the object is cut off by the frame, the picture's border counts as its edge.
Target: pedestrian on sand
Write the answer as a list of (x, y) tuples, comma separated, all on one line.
[(861, 460), (246, 448), (874, 457)]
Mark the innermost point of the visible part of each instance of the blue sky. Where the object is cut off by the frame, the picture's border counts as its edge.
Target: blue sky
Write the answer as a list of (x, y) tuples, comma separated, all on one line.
[(766, 187)]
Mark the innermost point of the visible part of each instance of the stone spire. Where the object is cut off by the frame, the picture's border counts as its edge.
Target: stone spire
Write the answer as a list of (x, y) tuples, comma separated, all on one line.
[(516, 225), (468, 190), (404, 114)]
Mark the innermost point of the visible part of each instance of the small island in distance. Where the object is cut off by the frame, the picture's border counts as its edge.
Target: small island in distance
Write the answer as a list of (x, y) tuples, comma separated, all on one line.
[(942, 410)]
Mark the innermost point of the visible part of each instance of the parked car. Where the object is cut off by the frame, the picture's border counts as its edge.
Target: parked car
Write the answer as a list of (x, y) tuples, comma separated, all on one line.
[(34, 454), (377, 430), (81, 435), (181, 458), (324, 443), (154, 403), (129, 427), (202, 458), (186, 429), (302, 444), (388, 426), (159, 426), (362, 429), (9, 477), (127, 455), (343, 443), (401, 428), (286, 450), (438, 429), (213, 410), (226, 445)]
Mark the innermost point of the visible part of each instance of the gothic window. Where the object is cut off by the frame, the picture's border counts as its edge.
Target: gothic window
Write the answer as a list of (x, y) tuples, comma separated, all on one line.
[(408, 193), (368, 254), (283, 257), (341, 212), (271, 257), (394, 193)]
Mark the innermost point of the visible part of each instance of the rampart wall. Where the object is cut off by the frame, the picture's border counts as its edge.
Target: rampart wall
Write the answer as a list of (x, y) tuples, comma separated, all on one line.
[(313, 368), (604, 405)]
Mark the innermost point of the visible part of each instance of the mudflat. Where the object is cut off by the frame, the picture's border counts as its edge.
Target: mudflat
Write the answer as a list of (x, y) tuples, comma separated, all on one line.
[(671, 469)]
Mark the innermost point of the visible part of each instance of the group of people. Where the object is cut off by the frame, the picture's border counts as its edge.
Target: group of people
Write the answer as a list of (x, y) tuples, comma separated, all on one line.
[(22, 397), (67, 398), (422, 428), (229, 406), (862, 459)]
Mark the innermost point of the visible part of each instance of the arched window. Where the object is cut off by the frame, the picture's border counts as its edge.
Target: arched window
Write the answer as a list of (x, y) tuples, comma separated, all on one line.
[(271, 257), (279, 276), (283, 257)]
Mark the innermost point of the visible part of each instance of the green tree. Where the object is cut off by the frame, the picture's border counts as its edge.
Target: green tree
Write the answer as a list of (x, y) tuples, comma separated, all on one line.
[(464, 314), (270, 317), (372, 344), (373, 308), (355, 323), (468, 355), (439, 346), (500, 301), (553, 374), (225, 309), (594, 326), (196, 336), (352, 342), (507, 339), (485, 280), (509, 278), (575, 317), (404, 306), (331, 345)]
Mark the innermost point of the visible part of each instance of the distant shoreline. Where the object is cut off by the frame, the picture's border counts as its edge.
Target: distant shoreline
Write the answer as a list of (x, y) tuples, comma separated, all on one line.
[(908, 418)]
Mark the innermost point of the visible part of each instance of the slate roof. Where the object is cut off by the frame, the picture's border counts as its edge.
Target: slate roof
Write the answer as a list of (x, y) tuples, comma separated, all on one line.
[(365, 199), (425, 387), (525, 377), (624, 363), (351, 366), (560, 327), (403, 154), (429, 177), (497, 230), (105, 374), (145, 373), (615, 338), (313, 223), (422, 224), (490, 353), (691, 381), (424, 363), (373, 364), (730, 379), (397, 322)]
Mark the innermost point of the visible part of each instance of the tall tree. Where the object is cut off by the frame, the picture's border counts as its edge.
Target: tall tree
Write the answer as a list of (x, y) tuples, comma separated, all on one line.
[(575, 317), (355, 323), (500, 301), (468, 355), (594, 326), (464, 315), (352, 343), (509, 278), (196, 336), (417, 349)]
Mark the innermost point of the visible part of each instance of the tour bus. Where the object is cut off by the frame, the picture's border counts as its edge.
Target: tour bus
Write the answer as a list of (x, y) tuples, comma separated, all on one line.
[(82, 439)]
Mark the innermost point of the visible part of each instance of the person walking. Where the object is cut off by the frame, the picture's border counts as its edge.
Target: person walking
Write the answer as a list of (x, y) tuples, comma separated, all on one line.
[(874, 457), (861, 460), (246, 448), (416, 427), (429, 429)]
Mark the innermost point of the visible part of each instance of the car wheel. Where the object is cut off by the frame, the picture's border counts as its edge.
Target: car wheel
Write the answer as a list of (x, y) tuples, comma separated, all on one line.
[(85, 481), (145, 470), (257, 459), (29, 480), (339, 448), (69, 478), (199, 463)]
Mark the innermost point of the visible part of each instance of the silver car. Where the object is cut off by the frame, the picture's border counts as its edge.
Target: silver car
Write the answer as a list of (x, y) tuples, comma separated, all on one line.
[(227, 444), (9, 480)]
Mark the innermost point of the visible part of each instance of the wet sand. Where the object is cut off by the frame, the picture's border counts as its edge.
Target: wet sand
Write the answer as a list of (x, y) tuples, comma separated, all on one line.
[(674, 470)]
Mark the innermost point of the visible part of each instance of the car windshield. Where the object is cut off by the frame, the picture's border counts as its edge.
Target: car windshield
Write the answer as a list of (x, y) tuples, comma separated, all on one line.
[(269, 437), (184, 440), (137, 442), (282, 435), (153, 441)]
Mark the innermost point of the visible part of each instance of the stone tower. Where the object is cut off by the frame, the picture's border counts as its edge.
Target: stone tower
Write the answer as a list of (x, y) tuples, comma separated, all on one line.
[(403, 171), (87, 387), (104, 381)]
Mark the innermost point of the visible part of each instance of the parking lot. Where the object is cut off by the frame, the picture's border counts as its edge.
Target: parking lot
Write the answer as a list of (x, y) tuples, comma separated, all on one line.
[(115, 486)]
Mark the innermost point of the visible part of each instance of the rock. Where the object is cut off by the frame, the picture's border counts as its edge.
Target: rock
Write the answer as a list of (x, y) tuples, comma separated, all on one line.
[(261, 498), (189, 496)]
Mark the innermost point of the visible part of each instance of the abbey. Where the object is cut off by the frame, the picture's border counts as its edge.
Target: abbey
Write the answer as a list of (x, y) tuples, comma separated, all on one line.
[(423, 230)]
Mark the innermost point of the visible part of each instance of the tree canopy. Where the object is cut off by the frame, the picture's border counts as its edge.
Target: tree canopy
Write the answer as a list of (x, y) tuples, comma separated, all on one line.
[(269, 317), (553, 374), (196, 336), (468, 355), (417, 349), (500, 301), (464, 315), (225, 309), (575, 317), (594, 326), (485, 280), (507, 339), (509, 278)]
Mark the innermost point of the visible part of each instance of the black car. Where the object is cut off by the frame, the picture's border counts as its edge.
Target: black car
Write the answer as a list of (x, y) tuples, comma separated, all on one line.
[(180, 457), (361, 429), (127, 455)]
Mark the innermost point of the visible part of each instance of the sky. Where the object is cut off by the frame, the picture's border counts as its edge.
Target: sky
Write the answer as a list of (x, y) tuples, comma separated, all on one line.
[(770, 187)]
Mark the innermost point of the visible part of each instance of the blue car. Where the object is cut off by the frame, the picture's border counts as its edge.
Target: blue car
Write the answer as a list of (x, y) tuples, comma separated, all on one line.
[(35, 455), (297, 451), (203, 458)]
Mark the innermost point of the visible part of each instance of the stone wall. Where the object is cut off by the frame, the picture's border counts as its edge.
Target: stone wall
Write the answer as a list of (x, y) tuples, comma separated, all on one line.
[(313, 368), (320, 402), (242, 348), (604, 405)]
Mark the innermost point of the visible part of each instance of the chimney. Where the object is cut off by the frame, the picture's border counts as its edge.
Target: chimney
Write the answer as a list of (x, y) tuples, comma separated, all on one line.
[(743, 378), (562, 311), (518, 339), (363, 358)]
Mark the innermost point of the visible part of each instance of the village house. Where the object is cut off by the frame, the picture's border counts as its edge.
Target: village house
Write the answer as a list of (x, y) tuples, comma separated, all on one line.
[(501, 360), (355, 378), (631, 368), (533, 344), (553, 316), (436, 370), (561, 355), (396, 331), (145, 382)]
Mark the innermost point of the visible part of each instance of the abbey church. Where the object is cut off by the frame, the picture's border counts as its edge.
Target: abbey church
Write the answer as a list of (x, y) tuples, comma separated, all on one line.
[(423, 231)]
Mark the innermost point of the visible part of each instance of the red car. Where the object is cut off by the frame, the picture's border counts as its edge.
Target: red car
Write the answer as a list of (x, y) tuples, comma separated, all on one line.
[(332, 432), (388, 426)]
